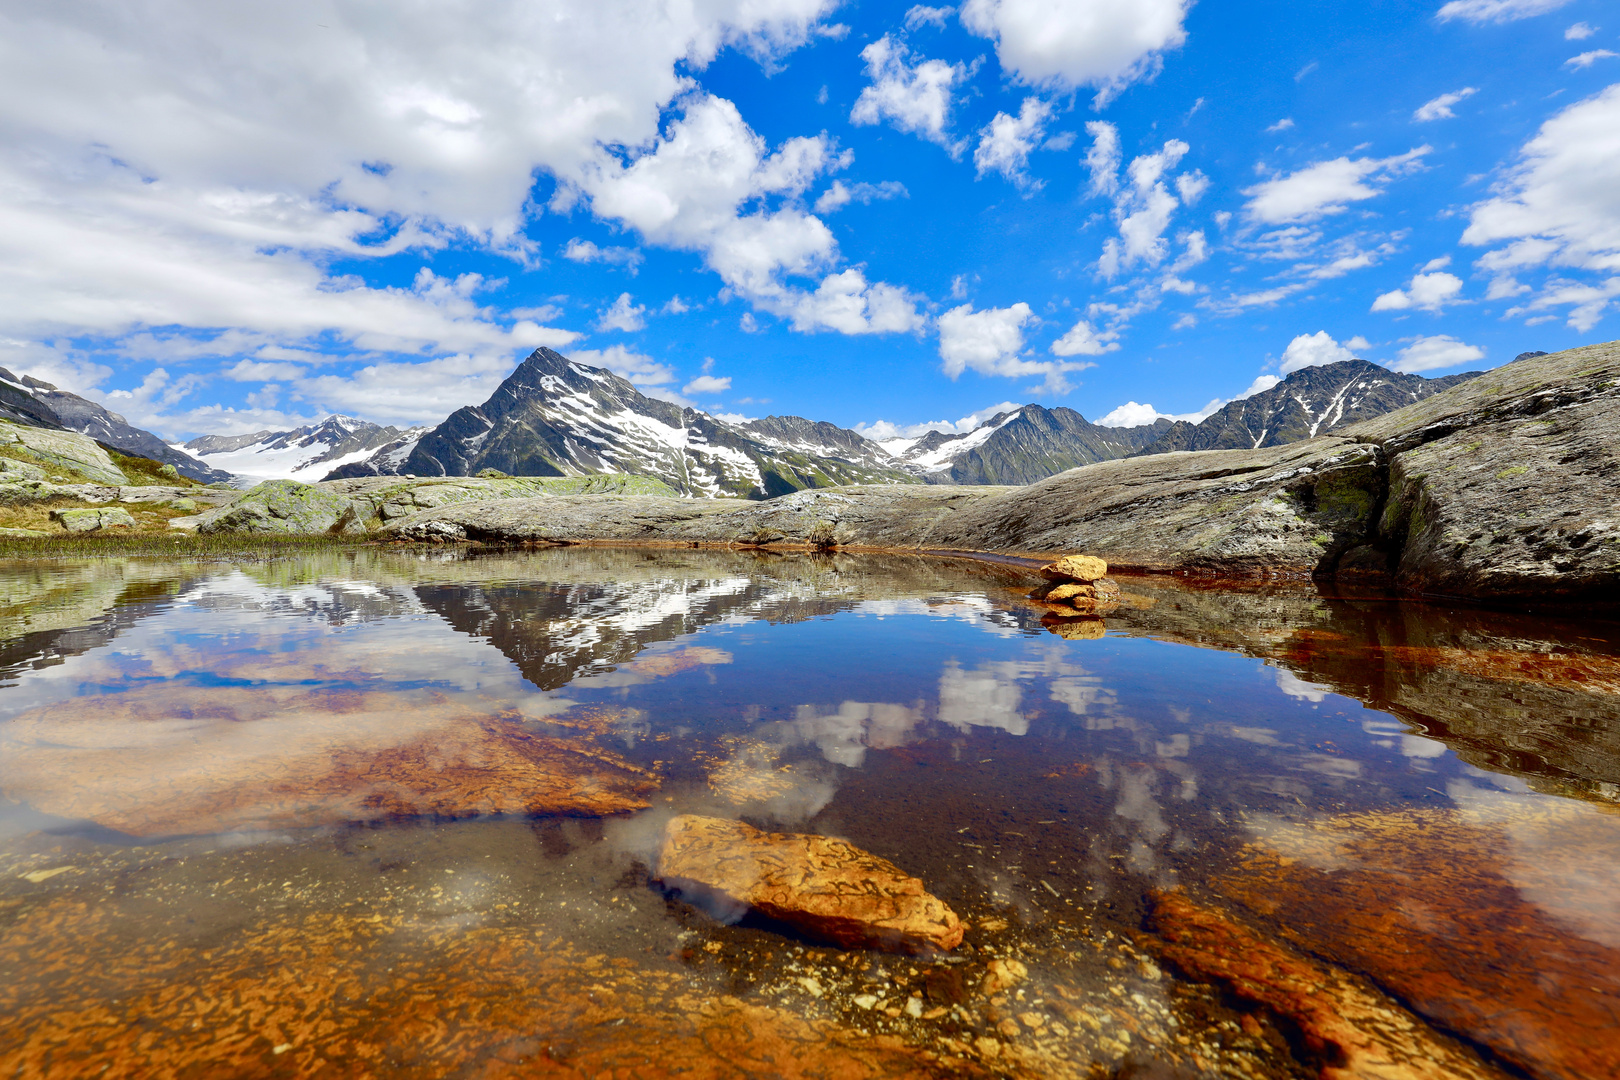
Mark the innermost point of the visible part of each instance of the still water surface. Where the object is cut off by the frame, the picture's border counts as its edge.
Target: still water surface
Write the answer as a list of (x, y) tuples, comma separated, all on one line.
[(384, 814)]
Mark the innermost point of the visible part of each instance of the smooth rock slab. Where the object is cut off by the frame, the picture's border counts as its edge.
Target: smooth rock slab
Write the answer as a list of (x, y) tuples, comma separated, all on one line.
[(93, 519), (277, 506), (828, 889)]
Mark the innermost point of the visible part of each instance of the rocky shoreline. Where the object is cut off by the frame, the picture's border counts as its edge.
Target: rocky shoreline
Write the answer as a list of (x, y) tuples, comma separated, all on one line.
[(1501, 488)]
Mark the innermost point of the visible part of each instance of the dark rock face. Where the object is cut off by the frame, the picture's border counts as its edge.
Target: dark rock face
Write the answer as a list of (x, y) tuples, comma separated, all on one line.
[(1035, 443), (1508, 485), (19, 404), (1311, 402), (553, 417)]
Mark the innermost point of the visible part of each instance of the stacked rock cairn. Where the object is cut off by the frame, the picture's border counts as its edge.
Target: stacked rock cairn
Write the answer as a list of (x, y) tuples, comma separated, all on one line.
[(1078, 582)]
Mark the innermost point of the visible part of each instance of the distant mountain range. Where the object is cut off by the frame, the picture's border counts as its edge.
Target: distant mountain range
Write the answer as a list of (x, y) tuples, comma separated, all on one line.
[(306, 453), (555, 417), (1312, 401), (1020, 447), (35, 402)]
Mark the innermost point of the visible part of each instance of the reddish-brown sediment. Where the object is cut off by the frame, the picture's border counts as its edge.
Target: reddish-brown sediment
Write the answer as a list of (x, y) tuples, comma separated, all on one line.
[(826, 888), (1441, 910), (284, 757), (345, 995), (1356, 1032)]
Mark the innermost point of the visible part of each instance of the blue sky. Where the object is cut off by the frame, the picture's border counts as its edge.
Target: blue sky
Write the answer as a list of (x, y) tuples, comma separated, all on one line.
[(226, 218)]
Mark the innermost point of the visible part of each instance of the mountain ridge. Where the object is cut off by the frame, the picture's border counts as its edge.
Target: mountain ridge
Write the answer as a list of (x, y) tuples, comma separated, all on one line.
[(555, 417), (1313, 401)]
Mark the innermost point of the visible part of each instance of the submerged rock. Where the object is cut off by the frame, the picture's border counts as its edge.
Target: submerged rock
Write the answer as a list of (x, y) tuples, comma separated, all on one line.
[(1357, 1032), (826, 888), (1480, 918)]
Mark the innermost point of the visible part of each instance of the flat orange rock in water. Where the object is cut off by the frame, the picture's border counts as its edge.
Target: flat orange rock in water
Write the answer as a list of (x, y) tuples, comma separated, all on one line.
[(826, 888)]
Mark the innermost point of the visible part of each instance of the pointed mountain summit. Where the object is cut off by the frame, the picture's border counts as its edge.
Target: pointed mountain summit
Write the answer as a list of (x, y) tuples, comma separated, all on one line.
[(1312, 401), (555, 417)]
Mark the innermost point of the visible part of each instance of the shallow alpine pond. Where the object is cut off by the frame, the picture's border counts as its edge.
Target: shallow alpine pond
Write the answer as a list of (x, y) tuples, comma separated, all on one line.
[(393, 813)]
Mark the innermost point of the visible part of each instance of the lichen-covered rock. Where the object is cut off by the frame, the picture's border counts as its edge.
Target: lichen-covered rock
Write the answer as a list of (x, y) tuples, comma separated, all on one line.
[(93, 519), (1087, 568), (827, 888), (66, 450), (12, 469), (1070, 591), (277, 506)]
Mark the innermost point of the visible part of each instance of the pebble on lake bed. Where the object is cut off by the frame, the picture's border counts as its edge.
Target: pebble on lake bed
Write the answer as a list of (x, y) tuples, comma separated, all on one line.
[(826, 888)]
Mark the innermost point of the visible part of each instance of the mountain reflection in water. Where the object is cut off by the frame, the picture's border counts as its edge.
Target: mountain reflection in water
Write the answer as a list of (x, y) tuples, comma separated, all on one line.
[(383, 813)]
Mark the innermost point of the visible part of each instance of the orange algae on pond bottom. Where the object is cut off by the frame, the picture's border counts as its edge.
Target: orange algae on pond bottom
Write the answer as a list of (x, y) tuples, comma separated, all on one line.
[(362, 996), (1481, 919)]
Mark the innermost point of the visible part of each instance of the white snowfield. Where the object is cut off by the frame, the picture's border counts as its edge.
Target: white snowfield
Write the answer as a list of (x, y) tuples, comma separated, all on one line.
[(296, 455)]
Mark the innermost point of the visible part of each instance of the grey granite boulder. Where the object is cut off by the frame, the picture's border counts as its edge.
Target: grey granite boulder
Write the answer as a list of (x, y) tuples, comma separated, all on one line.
[(66, 450), (277, 506), (93, 519), (12, 469)]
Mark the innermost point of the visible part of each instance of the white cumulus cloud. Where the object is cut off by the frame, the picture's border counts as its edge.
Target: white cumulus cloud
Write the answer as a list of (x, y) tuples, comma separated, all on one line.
[(1579, 32), (1314, 350), (1436, 352), (1440, 108), (991, 342), (1559, 204), (1430, 292), (1326, 187), (1587, 59), (708, 384), (913, 97), (1083, 339), (1007, 141), (1064, 44), (623, 314), (839, 195)]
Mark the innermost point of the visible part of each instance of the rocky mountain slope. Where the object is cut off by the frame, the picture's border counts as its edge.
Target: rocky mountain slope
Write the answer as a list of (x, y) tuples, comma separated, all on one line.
[(554, 417), (1312, 401), (306, 453), (36, 403), (1020, 446)]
